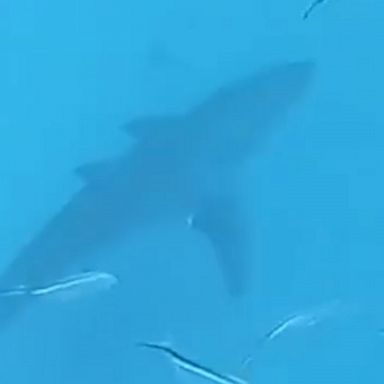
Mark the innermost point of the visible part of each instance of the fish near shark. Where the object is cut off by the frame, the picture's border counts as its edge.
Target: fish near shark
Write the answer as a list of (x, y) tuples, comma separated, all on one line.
[(182, 166)]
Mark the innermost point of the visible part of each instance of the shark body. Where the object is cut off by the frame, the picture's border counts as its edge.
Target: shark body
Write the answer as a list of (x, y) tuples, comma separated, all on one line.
[(181, 166)]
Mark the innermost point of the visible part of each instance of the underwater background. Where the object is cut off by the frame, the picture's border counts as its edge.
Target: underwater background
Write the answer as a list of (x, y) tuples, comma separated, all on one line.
[(73, 72)]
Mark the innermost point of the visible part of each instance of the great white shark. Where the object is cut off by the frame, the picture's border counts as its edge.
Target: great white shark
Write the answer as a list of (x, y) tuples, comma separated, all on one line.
[(180, 167)]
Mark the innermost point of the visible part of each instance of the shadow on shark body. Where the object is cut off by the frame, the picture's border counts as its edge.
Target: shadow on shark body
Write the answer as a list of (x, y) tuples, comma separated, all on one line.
[(182, 166)]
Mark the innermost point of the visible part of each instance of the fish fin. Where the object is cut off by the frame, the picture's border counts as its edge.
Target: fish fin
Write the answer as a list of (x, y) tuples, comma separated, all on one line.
[(221, 219), (143, 127), (12, 304), (20, 290), (91, 172)]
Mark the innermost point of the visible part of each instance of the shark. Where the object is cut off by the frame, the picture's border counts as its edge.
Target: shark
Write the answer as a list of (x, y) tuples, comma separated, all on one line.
[(181, 167)]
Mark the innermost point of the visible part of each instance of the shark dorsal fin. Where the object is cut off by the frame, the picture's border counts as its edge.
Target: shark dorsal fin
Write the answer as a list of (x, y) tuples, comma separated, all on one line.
[(91, 172), (144, 127)]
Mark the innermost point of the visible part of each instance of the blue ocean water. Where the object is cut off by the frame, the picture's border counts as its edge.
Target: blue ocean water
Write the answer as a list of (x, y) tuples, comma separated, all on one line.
[(72, 73)]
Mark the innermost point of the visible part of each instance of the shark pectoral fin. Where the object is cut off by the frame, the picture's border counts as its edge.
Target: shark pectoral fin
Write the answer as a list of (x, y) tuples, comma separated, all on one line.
[(142, 127), (92, 172), (222, 221)]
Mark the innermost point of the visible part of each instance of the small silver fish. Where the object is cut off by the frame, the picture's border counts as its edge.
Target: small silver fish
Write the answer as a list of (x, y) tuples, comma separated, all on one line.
[(303, 319), (295, 321), (68, 288), (77, 285), (193, 367)]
